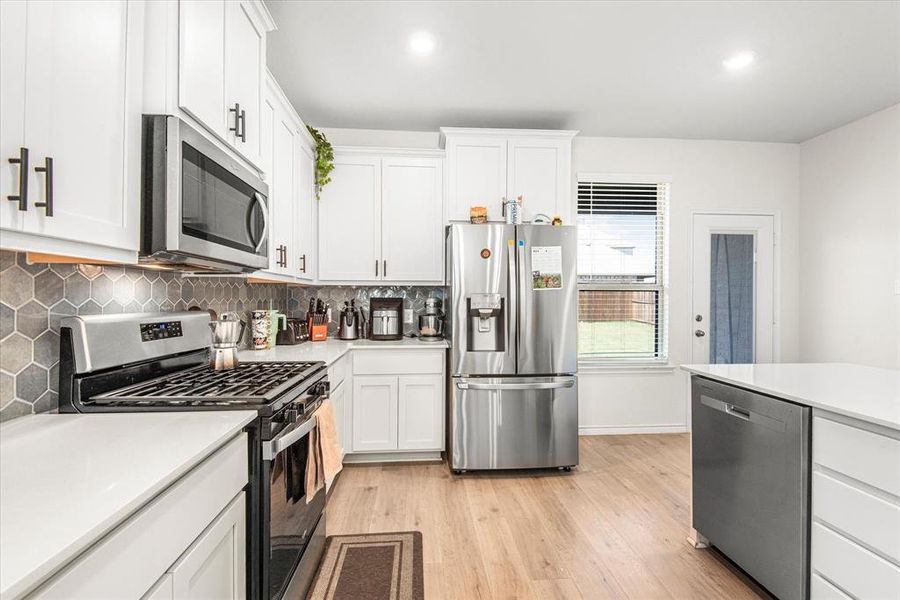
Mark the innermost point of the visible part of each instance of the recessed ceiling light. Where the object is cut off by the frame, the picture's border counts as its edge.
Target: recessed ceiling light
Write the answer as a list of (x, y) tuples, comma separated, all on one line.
[(738, 61), (422, 43)]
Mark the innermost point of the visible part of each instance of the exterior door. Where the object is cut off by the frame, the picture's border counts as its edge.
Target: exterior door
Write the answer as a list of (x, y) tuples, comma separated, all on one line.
[(548, 314), (420, 412), (481, 271), (374, 413), (412, 217), (732, 320), (83, 96), (350, 221)]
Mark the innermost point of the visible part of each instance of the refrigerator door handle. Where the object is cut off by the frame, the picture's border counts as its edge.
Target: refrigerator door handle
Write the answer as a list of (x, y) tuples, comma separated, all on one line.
[(544, 385), (512, 305)]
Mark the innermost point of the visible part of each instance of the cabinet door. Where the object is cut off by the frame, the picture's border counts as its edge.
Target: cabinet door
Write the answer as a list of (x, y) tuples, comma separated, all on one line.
[(83, 97), (201, 65), (350, 221), (412, 219), (12, 108), (163, 589), (421, 412), (245, 41), (282, 197), (215, 565), (476, 171), (374, 413), (540, 171), (305, 211)]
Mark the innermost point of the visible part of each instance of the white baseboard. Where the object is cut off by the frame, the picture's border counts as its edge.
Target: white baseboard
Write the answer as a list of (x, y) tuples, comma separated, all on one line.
[(385, 457), (628, 430)]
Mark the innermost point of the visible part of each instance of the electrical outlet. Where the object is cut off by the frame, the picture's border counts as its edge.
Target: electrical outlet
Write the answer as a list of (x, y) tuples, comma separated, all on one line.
[(407, 315)]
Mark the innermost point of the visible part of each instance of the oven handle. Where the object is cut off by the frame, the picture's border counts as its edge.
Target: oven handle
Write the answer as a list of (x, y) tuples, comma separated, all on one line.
[(258, 199), (273, 447)]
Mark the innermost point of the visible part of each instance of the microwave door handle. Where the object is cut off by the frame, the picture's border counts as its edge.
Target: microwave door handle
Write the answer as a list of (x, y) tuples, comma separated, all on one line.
[(272, 448), (258, 199)]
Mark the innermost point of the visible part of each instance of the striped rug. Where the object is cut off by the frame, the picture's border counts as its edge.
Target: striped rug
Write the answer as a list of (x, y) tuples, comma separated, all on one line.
[(373, 566)]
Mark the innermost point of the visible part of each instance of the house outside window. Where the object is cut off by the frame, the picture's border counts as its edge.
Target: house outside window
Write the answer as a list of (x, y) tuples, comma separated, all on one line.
[(621, 270)]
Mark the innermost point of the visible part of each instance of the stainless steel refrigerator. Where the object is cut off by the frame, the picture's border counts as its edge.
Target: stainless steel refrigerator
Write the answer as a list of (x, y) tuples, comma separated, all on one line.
[(513, 400)]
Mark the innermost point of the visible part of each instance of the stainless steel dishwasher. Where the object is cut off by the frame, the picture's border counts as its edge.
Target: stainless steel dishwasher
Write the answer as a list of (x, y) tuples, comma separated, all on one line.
[(750, 458)]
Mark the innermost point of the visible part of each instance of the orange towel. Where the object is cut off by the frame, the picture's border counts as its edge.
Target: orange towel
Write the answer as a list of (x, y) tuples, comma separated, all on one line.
[(328, 443)]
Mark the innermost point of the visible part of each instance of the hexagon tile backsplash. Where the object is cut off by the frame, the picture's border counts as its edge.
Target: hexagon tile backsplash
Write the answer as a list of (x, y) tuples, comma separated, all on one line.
[(35, 297)]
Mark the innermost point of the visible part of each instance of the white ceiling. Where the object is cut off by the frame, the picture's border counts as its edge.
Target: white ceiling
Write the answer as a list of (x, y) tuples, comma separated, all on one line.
[(649, 69)]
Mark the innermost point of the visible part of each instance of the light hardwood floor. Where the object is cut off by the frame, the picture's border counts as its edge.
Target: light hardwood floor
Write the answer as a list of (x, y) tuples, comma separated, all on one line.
[(615, 527)]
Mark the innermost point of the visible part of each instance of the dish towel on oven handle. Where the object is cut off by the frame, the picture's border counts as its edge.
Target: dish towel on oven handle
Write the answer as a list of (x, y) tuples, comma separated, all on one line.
[(324, 462)]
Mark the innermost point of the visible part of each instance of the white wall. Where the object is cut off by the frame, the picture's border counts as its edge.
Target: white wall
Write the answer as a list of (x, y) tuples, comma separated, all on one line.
[(850, 243), (704, 175)]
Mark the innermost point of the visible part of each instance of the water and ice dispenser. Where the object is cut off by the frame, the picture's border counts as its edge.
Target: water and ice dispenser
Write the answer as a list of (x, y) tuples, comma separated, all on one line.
[(486, 325)]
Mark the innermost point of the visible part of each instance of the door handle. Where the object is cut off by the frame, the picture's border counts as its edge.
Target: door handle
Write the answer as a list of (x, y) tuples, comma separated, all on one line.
[(237, 119), (384, 268), (47, 170), (699, 333), (303, 264), (22, 161), (544, 385), (734, 411), (258, 199), (271, 449), (376, 267), (243, 120)]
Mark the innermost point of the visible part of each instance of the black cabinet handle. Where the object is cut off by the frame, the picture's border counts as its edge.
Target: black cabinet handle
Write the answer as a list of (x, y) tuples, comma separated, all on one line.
[(237, 119), (47, 170), (22, 161), (384, 269), (303, 264), (243, 133), (376, 267)]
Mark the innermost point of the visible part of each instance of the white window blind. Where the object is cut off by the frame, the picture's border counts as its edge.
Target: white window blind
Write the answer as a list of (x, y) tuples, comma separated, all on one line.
[(621, 270)]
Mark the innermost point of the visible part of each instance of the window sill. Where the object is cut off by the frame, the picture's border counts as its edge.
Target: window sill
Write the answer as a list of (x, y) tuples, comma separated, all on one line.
[(610, 367)]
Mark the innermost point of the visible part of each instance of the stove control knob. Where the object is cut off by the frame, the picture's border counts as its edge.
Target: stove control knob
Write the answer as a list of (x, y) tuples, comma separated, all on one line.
[(291, 415)]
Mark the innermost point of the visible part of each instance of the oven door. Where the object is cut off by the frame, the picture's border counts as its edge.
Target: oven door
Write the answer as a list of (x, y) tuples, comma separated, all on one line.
[(290, 518), (217, 208)]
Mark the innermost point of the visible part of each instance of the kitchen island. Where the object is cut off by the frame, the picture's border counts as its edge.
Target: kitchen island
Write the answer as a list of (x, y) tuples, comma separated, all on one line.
[(841, 423)]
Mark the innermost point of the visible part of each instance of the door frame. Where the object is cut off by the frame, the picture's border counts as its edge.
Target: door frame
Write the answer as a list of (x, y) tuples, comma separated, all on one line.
[(776, 270)]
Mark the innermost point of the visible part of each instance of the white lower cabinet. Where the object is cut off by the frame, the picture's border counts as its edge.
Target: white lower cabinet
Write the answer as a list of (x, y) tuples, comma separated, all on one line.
[(374, 413), (394, 411), (420, 412), (215, 565), (188, 542), (855, 537)]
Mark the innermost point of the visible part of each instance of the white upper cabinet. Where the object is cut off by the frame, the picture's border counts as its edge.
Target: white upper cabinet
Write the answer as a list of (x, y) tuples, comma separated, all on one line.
[(72, 91), (245, 63), (476, 174), (539, 170), (305, 208), (412, 245), (201, 77), (282, 195), (484, 166), (350, 220), (221, 69), (381, 217)]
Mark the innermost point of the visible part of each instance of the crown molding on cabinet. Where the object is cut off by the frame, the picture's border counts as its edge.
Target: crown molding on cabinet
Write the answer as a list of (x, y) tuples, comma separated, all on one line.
[(507, 133), (383, 151)]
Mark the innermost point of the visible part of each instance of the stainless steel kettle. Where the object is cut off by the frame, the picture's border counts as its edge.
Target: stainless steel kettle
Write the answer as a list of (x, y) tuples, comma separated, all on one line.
[(227, 332), (349, 322)]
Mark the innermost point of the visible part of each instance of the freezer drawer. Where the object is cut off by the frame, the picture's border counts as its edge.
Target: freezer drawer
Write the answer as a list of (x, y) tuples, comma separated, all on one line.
[(513, 422), (750, 456)]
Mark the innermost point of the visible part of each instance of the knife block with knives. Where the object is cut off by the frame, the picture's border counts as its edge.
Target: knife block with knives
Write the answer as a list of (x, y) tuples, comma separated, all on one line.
[(318, 316)]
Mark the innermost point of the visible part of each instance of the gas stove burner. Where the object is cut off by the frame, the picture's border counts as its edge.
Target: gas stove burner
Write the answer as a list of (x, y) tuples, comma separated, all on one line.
[(249, 384)]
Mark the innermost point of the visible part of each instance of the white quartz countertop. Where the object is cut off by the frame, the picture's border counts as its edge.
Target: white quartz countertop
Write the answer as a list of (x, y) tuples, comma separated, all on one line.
[(332, 349), (67, 480), (866, 393)]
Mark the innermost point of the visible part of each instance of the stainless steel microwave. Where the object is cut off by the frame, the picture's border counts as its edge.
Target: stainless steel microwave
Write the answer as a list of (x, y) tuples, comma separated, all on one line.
[(201, 210)]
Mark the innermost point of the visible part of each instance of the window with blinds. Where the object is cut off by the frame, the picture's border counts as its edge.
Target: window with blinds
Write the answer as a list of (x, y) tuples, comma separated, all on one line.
[(621, 270)]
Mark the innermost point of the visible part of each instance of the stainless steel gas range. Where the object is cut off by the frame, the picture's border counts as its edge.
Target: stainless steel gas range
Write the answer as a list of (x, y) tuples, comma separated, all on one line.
[(158, 362)]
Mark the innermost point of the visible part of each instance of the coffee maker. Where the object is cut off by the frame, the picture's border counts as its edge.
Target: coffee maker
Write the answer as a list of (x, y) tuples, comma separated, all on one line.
[(227, 332)]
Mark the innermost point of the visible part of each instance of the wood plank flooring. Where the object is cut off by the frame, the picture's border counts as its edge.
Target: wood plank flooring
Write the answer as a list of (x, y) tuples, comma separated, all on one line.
[(613, 528)]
